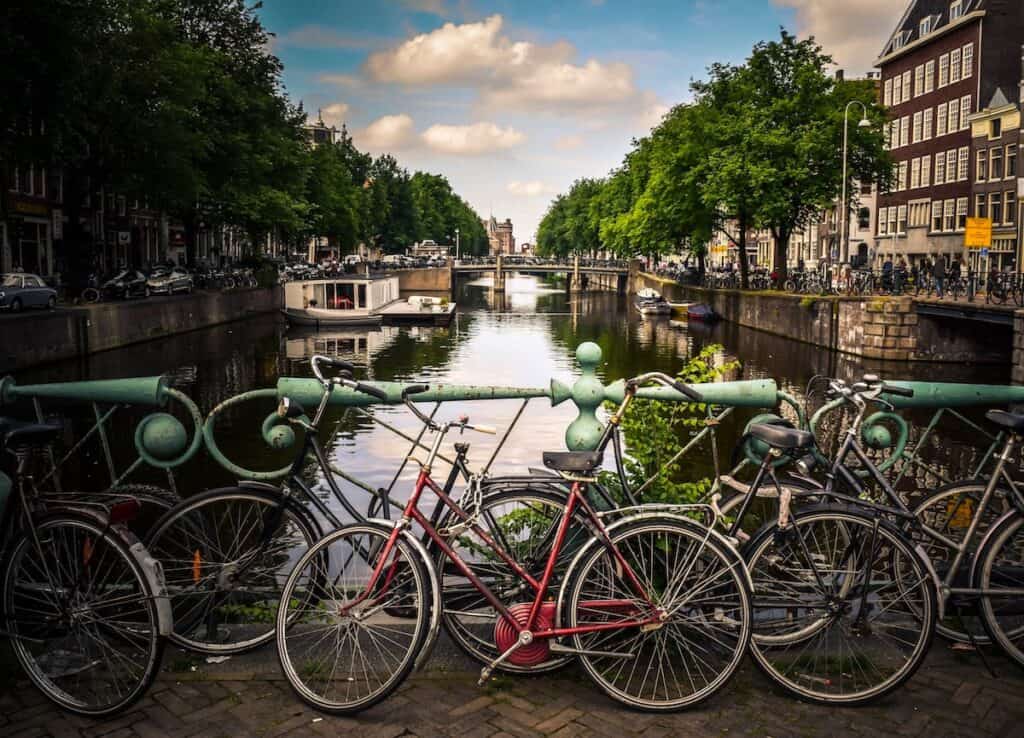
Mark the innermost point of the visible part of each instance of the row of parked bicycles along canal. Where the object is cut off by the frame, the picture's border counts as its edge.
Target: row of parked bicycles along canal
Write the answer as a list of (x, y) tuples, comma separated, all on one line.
[(998, 288), (818, 568)]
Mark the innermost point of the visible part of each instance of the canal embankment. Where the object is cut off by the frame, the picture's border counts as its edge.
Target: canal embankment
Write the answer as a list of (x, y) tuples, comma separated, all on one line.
[(885, 328), (30, 339)]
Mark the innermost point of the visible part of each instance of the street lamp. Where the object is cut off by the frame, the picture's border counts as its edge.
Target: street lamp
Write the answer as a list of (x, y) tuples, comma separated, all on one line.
[(456, 244), (844, 247)]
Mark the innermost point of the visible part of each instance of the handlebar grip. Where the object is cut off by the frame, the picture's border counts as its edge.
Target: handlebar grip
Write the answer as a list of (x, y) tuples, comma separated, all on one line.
[(485, 429), (688, 391), (334, 363), (414, 389), (369, 389), (897, 391)]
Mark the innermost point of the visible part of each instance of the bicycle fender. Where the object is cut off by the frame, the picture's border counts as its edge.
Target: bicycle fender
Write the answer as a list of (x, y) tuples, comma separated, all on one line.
[(154, 573), (711, 532), (919, 549), (986, 538), (258, 486), (434, 629)]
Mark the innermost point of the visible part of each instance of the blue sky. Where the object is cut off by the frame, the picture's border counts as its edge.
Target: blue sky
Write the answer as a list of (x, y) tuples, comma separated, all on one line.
[(512, 101)]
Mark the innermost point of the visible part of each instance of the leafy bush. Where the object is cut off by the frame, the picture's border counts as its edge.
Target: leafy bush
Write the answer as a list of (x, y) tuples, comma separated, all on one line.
[(655, 431)]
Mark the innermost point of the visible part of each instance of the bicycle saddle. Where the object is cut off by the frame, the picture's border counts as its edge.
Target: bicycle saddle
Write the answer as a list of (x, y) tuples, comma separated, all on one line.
[(778, 436), (1012, 421), (572, 461), (22, 433)]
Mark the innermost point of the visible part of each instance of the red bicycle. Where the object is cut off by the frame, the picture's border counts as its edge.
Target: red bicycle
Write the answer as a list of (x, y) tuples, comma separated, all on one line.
[(655, 605)]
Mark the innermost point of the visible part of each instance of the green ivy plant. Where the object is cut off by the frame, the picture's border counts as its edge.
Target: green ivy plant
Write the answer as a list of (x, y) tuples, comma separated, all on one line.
[(655, 431)]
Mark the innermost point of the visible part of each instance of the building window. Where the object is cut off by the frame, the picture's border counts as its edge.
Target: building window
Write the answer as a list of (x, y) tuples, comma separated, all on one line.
[(892, 221), (1011, 161), (943, 70), (901, 219), (937, 215), (940, 168), (961, 213), (928, 118), (926, 170), (905, 130), (995, 207), (956, 10), (995, 129), (963, 167), (968, 62), (1011, 208), (924, 27), (897, 89), (941, 119), (954, 116), (919, 80), (954, 65), (904, 170), (981, 206), (995, 163), (887, 93), (915, 174), (949, 215), (918, 126), (965, 111), (907, 80), (929, 76), (982, 174)]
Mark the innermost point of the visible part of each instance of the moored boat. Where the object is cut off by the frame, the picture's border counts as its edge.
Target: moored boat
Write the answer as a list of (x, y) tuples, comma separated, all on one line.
[(351, 300), (650, 302), (701, 312)]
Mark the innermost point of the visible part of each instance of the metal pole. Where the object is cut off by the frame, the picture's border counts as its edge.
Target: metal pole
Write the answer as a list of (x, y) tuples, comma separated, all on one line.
[(456, 244), (842, 207)]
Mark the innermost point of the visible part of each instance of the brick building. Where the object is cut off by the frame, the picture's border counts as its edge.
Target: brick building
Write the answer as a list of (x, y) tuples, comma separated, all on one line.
[(995, 133), (944, 61)]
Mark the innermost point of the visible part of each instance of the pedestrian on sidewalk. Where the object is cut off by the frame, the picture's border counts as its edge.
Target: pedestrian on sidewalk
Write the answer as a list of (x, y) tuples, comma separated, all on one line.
[(939, 273)]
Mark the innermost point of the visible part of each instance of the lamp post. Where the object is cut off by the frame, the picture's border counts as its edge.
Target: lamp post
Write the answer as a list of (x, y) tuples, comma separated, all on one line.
[(456, 244), (844, 247)]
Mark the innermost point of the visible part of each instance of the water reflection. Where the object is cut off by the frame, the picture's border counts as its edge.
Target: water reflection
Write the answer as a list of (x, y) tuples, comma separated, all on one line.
[(523, 336)]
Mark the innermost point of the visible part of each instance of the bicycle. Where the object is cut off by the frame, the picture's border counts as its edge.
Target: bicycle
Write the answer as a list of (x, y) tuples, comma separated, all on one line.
[(82, 601), (845, 602), (647, 583)]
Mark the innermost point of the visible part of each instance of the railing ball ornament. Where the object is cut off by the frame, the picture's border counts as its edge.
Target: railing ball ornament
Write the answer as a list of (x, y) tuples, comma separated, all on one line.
[(584, 433), (878, 436), (277, 433), (162, 440)]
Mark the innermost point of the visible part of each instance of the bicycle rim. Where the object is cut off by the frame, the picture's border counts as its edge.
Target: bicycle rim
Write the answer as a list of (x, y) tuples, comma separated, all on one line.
[(83, 619), (347, 648), (835, 620), (1002, 567)]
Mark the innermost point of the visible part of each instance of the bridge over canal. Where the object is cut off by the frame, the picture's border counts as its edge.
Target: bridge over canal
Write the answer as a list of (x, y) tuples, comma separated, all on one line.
[(612, 274)]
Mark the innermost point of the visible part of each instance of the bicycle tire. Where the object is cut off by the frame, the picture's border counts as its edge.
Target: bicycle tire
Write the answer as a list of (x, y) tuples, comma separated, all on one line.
[(718, 601), (55, 665), (1001, 564), (309, 622), (836, 681), (200, 569)]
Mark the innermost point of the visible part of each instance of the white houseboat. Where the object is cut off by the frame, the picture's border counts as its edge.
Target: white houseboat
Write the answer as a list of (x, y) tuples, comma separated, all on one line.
[(351, 300)]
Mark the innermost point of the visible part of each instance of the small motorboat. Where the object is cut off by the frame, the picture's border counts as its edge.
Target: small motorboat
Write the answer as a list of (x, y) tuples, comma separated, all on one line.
[(650, 302), (701, 312)]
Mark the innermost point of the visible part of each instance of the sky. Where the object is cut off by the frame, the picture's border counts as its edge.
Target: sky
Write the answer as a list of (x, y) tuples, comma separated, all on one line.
[(514, 100)]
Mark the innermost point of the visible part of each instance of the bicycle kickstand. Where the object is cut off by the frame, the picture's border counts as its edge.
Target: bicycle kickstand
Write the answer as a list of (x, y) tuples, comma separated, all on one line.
[(525, 639)]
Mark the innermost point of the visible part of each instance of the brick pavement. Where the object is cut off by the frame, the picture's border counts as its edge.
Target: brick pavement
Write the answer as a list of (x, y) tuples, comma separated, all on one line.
[(951, 696)]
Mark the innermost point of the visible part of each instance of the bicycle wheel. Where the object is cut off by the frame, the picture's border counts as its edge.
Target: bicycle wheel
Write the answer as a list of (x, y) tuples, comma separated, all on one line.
[(524, 523), (701, 593), (844, 609), (349, 648), (225, 569), (82, 615), (90, 295), (1001, 567), (949, 511)]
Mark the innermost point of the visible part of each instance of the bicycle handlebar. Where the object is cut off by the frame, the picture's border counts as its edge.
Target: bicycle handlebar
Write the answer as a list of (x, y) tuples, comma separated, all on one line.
[(663, 379)]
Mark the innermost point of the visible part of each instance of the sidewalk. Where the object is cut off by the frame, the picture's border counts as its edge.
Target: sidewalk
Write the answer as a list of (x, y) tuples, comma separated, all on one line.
[(952, 695)]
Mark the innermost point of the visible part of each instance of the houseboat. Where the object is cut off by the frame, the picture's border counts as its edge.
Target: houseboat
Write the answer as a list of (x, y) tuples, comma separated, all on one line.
[(650, 302), (355, 299)]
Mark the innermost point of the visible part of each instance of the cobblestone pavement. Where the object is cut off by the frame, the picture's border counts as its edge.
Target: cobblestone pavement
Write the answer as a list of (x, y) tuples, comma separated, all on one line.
[(951, 696)]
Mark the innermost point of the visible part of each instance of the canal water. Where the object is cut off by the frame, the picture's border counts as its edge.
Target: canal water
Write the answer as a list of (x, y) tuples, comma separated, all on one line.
[(523, 338)]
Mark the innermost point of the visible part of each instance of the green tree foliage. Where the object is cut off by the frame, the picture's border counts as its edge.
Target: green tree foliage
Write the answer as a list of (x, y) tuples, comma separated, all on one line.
[(759, 147)]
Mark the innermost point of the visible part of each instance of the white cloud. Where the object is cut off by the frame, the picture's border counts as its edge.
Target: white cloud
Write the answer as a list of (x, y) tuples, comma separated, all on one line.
[(471, 140), (334, 114), (321, 37), (534, 188), (569, 142), (853, 33), (507, 72), (340, 80), (388, 133)]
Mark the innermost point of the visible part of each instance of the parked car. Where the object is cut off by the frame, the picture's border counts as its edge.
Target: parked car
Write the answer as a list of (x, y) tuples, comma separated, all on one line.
[(19, 291), (125, 284), (168, 281)]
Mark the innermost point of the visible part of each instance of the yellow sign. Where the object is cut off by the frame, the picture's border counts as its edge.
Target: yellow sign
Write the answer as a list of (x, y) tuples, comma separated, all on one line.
[(979, 233)]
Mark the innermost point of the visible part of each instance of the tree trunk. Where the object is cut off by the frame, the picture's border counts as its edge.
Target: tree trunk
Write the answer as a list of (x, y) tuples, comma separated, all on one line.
[(744, 266), (781, 253)]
